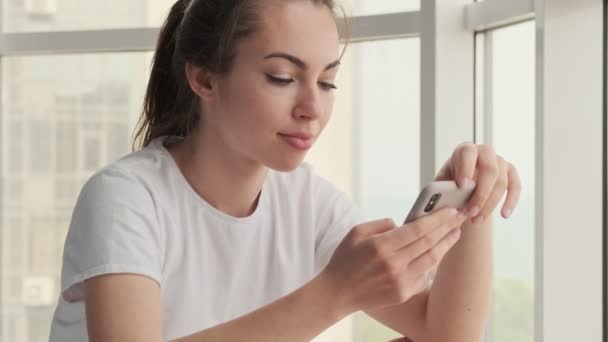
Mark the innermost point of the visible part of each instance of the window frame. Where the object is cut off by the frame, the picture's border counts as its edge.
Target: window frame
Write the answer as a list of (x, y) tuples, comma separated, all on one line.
[(605, 180), (563, 42)]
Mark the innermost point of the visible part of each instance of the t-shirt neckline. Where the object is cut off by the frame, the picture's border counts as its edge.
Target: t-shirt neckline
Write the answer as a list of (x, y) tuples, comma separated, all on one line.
[(224, 217)]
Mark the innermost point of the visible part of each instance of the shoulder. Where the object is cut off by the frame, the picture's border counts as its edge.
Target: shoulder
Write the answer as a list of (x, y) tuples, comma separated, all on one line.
[(133, 179), (109, 192), (139, 172)]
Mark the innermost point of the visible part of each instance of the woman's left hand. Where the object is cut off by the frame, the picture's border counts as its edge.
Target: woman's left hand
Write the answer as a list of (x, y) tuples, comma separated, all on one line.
[(492, 173)]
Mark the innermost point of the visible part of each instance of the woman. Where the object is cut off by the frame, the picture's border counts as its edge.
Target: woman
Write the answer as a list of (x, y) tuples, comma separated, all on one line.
[(216, 231)]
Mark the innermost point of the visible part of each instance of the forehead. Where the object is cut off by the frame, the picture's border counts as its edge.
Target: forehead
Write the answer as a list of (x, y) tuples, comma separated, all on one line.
[(300, 28)]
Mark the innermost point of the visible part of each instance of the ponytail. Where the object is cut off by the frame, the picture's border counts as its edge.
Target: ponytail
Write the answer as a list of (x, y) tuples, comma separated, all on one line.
[(169, 103)]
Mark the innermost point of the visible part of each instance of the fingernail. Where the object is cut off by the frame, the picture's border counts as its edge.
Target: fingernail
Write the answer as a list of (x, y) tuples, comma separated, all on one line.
[(477, 220), (452, 211), (508, 213), (462, 182), (474, 211)]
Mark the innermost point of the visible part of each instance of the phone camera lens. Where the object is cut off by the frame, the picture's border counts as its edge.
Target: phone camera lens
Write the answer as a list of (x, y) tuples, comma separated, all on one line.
[(432, 201)]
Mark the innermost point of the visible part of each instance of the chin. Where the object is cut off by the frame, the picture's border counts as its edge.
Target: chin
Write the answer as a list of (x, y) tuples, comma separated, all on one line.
[(286, 164)]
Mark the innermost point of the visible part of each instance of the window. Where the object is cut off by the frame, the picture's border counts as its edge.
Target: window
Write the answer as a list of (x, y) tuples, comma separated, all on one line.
[(118, 140), (91, 156), (14, 191), (40, 145), (13, 231), (75, 129), (86, 110), (87, 105), (370, 148), (389, 127), (509, 125), (65, 158), (14, 158), (370, 7), (67, 15)]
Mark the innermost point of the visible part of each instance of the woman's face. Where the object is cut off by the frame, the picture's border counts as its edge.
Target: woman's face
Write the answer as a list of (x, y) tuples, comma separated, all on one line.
[(281, 84)]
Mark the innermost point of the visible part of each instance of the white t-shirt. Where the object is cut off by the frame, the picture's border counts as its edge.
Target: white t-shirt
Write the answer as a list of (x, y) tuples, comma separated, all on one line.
[(139, 215)]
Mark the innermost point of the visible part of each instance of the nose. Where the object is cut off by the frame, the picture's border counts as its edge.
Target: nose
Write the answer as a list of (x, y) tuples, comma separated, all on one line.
[(309, 105)]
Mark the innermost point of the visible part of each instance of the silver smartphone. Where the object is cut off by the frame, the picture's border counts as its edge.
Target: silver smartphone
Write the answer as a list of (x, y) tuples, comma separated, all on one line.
[(439, 195)]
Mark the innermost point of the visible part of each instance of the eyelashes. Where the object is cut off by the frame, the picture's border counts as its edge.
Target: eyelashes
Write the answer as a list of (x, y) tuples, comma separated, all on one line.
[(286, 81), (328, 85), (278, 80)]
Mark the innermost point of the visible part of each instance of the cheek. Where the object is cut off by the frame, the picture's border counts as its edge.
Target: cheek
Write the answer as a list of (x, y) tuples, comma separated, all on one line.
[(328, 108), (265, 105), (258, 111)]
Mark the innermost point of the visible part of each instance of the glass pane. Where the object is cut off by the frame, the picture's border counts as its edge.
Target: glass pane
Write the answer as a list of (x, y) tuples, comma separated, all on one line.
[(40, 145), (369, 7), (62, 15), (512, 134), (15, 158), (66, 138), (76, 116), (370, 148)]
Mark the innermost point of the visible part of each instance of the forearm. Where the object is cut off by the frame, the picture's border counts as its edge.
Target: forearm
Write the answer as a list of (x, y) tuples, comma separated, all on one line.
[(459, 299), (299, 316)]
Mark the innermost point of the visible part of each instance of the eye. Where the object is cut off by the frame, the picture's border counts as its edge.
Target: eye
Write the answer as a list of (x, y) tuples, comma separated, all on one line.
[(278, 80), (327, 86)]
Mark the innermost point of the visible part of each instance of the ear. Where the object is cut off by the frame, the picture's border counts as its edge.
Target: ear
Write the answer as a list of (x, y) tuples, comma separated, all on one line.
[(201, 82)]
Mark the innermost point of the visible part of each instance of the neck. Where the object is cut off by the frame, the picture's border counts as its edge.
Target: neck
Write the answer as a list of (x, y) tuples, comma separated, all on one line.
[(226, 180)]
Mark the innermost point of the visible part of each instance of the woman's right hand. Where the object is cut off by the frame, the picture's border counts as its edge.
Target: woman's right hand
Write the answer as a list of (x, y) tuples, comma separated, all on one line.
[(379, 264)]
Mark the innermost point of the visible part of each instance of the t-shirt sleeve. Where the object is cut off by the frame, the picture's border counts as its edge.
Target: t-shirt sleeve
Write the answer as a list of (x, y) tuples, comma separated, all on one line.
[(114, 229), (339, 214)]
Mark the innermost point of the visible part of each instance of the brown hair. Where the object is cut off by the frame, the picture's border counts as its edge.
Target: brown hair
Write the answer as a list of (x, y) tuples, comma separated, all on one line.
[(204, 33)]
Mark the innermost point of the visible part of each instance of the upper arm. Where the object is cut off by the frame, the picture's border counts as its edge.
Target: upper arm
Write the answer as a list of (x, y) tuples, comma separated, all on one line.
[(408, 318), (123, 307)]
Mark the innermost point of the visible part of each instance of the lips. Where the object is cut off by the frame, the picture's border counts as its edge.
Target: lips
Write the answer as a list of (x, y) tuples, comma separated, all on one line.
[(300, 141), (302, 135)]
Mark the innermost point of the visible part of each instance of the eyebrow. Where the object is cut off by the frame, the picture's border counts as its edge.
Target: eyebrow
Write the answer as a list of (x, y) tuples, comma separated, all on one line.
[(298, 62)]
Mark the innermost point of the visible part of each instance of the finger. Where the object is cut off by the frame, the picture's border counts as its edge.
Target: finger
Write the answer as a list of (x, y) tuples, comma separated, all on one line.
[(433, 256), (500, 188), (513, 191), (408, 233), (465, 160), (437, 218), (424, 244), (367, 229), (486, 179)]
